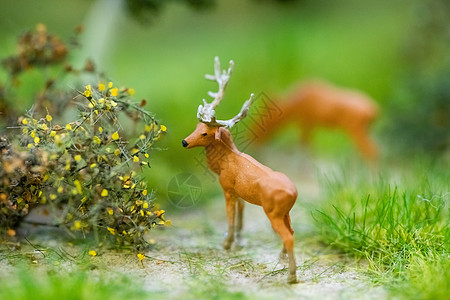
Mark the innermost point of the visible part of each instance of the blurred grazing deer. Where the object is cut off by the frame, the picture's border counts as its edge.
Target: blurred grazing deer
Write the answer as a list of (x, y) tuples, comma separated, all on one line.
[(240, 175), (318, 104)]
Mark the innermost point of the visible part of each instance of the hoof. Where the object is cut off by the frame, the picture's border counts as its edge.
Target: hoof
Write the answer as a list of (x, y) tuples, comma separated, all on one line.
[(227, 245), (292, 278), (239, 243), (283, 257)]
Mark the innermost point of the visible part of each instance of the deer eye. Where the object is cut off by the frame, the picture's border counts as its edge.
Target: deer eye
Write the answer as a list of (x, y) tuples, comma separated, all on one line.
[(204, 134)]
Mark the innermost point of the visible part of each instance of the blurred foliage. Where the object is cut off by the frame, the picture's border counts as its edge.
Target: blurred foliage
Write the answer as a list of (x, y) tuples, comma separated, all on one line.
[(422, 115), (350, 43), (46, 54), (420, 111), (85, 170), (28, 283), (36, 49), (147, 10)]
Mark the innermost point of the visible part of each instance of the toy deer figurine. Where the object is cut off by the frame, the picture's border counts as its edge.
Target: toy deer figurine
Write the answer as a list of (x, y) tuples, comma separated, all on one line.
[(318, 104), (240, 175)]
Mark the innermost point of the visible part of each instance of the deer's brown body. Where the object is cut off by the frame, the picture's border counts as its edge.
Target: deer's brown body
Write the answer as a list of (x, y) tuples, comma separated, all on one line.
[(318, 104), (242, 177)]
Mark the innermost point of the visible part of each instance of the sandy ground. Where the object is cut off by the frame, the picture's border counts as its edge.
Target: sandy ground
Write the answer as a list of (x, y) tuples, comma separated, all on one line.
[(188, 261)]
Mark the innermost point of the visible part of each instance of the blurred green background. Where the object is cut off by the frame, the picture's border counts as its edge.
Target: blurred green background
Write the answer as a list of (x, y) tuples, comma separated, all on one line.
[(358, 44)]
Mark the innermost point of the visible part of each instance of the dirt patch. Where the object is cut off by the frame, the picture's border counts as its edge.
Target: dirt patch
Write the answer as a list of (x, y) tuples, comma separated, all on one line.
[(188, 260)]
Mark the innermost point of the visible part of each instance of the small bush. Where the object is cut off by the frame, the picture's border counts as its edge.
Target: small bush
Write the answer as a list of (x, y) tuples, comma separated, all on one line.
[(85, 170)]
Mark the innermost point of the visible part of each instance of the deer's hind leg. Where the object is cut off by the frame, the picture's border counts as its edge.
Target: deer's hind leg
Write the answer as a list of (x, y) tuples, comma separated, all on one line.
[(279, 226), (362, 140), (287, 222)]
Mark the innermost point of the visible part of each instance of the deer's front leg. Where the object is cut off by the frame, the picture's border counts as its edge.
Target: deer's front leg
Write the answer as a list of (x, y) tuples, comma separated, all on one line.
[(230, 201), (239, 221)]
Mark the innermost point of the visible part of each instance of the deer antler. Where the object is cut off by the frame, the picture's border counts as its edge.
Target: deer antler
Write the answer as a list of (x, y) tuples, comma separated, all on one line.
[(206, 112)]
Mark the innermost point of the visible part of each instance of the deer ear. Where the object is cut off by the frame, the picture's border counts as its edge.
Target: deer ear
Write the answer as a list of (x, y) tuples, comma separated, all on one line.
[(218, 134)]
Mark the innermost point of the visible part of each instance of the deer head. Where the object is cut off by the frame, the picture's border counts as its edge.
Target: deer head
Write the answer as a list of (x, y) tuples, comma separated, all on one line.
[(210, 129)]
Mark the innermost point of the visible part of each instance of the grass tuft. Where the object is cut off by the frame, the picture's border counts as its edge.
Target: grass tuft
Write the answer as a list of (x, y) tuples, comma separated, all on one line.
[(401, 227)]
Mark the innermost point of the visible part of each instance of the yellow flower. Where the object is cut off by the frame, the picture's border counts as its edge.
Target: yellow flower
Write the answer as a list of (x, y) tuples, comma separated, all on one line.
[(148, 128), (58, 139), (142, 212), (49, 118), (59, 190), (115, 135), (93, 166), (44, 126), (110, 211), (144, 192), (104, 193), (77, 224), (114, 92), (135, 158), (101, 86), (100, 129), (92, 253), (117, 152), (113, 103), (68, 127), (78, 186), (25, 130), (52, 196), (142, 137), (24, 121), (146, 155), (168, 222), (131, 91), (141, 256), (110, 84), (111, 230), (77, 157), (88, 91), (101, 100), (145, 205), (161, 222), (163, 128), (36, 140), (97, 140), (33, 133), (52, 133)]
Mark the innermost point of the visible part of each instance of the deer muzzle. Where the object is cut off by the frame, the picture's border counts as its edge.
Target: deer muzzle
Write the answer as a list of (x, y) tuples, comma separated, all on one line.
[(184, 143)]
